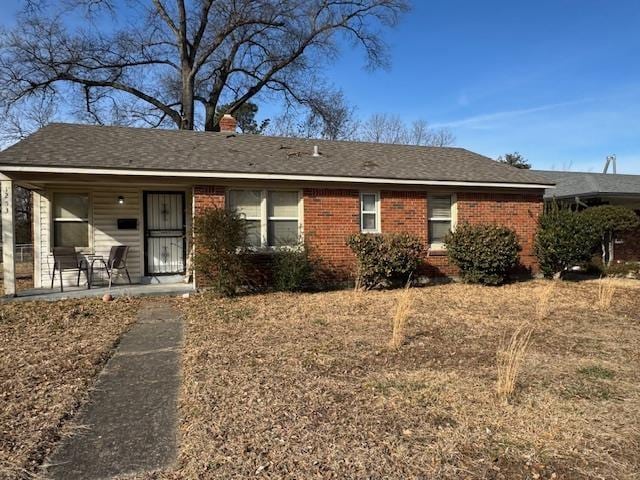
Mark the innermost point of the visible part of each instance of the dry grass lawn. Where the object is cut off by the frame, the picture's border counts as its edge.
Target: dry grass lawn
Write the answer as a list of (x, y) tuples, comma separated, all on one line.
[(50, 354), (307, 386)]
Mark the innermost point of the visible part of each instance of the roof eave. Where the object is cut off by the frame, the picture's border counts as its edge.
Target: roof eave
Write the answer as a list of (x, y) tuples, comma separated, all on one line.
[(267, 176)]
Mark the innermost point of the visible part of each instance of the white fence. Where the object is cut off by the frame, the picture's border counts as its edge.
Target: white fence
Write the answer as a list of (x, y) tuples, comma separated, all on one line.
[(24, 252)]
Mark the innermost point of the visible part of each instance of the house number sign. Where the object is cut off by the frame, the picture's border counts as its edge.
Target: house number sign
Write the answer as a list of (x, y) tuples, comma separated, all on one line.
[(6, 198)]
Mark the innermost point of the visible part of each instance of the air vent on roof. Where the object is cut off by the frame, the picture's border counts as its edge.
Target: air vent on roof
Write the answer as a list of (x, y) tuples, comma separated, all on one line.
[(316, 152)]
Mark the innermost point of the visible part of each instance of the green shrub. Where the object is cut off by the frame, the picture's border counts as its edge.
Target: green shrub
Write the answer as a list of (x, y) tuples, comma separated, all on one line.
[(292, 269), (608, 220), (220, 237), (385, 259), (483, 253), (623, 269), (564, 239)]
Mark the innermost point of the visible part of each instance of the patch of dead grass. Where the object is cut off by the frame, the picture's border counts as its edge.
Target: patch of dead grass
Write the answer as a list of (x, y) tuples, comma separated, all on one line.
[(304, 386), (50, 353)]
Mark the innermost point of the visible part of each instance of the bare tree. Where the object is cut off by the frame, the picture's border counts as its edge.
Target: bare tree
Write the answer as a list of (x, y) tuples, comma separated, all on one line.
[(325, 115), (15, 126), (385, 128), (169, 58), (442, 137)]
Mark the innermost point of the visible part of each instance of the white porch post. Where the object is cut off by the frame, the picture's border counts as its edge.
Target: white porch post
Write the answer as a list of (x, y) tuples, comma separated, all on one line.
[(8, 238)]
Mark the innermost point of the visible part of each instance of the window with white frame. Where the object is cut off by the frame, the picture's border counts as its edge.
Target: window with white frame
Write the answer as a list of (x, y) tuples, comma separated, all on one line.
[(272, 216), (71, 220), (369, 212), (441, 218), (248, 203)]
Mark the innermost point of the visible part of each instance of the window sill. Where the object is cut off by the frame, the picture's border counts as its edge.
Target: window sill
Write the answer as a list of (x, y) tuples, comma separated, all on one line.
[(271, 250), (437, 251)]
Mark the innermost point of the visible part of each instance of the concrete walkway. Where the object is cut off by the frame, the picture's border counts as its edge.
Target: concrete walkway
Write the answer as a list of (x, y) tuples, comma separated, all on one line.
[(129, 424)]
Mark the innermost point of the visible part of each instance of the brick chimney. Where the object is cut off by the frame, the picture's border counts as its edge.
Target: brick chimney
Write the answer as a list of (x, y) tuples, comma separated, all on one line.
[(228, 124)]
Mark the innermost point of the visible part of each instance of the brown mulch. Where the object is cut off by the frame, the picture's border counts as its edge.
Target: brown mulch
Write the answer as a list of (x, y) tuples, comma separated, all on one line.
[(50, 354), (306, 386)]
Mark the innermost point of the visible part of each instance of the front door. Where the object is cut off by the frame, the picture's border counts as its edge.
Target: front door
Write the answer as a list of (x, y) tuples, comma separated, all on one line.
[(164, 233)]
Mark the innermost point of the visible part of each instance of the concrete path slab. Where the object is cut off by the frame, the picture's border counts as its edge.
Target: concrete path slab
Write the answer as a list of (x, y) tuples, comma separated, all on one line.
[(130, 421)]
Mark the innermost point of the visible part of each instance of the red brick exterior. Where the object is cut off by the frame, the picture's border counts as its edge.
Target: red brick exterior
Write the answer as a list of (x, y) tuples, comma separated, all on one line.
[(206, 197), (629, 249), (332, 214), (516, 211)]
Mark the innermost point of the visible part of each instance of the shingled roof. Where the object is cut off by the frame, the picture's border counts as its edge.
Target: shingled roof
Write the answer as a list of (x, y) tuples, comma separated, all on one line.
[(85, 146), (586, 184)]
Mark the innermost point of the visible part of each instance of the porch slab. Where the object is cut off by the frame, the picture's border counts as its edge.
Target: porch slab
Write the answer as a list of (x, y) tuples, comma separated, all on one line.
[(54, 294)]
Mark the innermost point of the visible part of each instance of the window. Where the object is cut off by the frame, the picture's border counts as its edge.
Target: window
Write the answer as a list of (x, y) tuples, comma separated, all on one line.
[(272, 216), (71, 220), (369, 213), (248, 203), (282, 218), (441, 218)]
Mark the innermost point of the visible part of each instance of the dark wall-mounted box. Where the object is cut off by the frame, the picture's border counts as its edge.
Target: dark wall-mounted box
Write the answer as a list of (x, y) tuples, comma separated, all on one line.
[(127, 223)]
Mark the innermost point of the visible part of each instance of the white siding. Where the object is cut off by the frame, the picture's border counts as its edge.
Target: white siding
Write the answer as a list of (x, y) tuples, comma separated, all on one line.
[(103, 232)]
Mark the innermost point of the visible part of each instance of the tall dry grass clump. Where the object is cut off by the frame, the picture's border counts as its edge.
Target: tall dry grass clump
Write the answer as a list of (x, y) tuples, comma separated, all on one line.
[(606, 292), (510, 358), (511, 354), (400, 317), (543, 306)]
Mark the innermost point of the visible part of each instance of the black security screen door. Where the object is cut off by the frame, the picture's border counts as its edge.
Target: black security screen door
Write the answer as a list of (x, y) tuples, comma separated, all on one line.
[(164, 233)]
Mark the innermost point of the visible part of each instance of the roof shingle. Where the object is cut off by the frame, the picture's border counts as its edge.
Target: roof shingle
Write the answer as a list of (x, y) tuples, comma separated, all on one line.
[(87, 146), (572, 184)]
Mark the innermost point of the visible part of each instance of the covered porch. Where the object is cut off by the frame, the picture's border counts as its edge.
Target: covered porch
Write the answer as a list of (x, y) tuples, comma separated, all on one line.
[(151, 290), (87, 216)]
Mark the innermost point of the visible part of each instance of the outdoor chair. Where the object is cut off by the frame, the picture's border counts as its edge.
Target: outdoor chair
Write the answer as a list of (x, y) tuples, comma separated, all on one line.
[(117, 261), (66, 258)]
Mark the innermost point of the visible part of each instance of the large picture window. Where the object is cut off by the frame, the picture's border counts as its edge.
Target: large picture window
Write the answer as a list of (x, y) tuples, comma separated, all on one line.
[(441, 218), (272, 216), (71, 220)]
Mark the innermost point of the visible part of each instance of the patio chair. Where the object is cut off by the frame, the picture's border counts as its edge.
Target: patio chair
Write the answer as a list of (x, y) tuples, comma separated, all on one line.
[(117, 261), (64, 259)]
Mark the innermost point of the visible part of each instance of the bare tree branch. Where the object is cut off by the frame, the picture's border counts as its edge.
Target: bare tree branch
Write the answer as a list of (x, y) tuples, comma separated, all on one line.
[(175, 53)]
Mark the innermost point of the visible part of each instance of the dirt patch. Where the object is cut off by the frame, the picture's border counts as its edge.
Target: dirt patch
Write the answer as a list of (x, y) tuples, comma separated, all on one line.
[(305, 386), (50, 353)]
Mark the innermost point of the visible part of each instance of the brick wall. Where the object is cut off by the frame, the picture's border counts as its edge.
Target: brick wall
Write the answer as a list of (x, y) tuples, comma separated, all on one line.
[(629, 249), (516, 211), (207, 196), (331, 215)]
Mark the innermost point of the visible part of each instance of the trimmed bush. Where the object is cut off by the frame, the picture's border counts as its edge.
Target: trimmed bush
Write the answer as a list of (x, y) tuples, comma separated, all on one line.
[(292, 269), (385, 260), (220, 255), (483, 253), (564, 239), (608, 220)]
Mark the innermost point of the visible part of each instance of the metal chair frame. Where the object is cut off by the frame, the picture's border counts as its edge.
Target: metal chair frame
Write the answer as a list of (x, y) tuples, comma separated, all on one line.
[(117, 261), (66, 258)]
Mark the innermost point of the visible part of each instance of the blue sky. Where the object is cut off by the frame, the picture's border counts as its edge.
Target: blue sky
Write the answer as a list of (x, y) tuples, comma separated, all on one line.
[(556, 80)]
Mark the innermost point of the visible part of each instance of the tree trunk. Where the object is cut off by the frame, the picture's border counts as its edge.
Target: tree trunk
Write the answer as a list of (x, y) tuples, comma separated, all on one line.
[(611, 243), (210, 124), (187, 101)]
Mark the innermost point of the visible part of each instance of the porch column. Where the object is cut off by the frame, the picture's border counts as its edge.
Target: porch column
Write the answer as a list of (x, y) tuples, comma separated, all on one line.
[(8, 237)]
